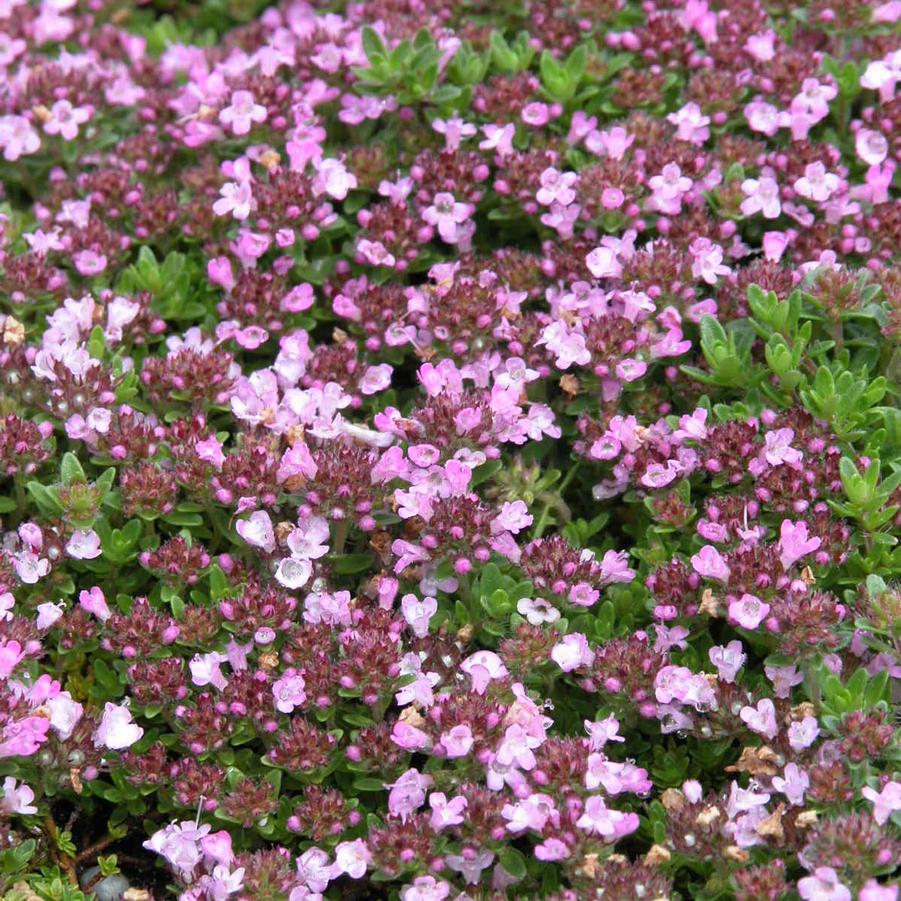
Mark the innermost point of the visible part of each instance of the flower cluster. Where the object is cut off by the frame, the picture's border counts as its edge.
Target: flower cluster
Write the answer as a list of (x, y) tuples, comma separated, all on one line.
[(450, 450)]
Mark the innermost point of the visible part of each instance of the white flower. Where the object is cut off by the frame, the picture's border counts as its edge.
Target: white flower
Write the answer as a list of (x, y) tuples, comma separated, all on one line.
[(537, 611), (257, 531), (84, 545), (117, 729), (293, 573)]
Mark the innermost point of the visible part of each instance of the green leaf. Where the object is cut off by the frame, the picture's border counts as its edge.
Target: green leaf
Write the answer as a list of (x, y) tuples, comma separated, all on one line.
[(71, 472), (513, 861), (368, 784), (46, 498), (349, 564), (373, 46)]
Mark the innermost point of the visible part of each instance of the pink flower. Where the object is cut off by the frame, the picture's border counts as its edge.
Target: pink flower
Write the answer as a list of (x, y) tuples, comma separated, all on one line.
[(556, 187), (471, 865), (691, 124), (774, 244), (659, 476), (309, 541), (65, 714), (599, 733), (669, 188), (84, 545), (728, 660), (332, 178), (697, 16), (418, 613), (871, 146), (518, 747), (879, 180), (17, 798), (117, 730), (761, 719), (483, 667), (425, 888), (803, 734), (614, 142), (243, 112), (707, 259), (531, 813), (446, 813), (17, 138), (498, 138), (748, 611), (514, 516), (257, 531), (602, 263), (794, 543), (288, 691), (408, 793), (615, 567), (21, 738), (616, 778), (375, 253), (537, 611), (784, 679), (299, 298), (813, 101), (536, 114), (572, 652), (764, 118), (885, 802), (816, 183), (89, 262), (793, 784), (709, 563), (762, 196), (823, 886), (609, 824), (206, 670), (314, 869), (409, 737), (551, 850), (447, 216), (48, 614), (761, 46), (778, 448), (679, 683), (457, 742), (693, 427), (454, 131), (872, 890), (11, 654), (882, 75), (612, 198), (376, 379), (351, 859), (236, 198), (65, 119), (210, 451), (889, 12), (94, 602), (179, 844), (293, 574)]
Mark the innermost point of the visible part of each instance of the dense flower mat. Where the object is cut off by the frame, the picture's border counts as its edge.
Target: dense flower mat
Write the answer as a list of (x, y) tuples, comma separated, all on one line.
[(450, 450)]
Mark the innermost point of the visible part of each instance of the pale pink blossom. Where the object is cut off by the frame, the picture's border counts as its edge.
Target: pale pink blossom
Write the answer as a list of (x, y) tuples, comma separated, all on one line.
[(64, 119), (242, 113)]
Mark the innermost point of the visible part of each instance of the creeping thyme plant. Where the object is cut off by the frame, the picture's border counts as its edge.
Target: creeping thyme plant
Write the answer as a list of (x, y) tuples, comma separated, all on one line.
[(450, 449)]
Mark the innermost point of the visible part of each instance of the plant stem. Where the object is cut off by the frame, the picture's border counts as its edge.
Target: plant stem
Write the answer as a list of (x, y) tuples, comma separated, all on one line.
[(65, 861)]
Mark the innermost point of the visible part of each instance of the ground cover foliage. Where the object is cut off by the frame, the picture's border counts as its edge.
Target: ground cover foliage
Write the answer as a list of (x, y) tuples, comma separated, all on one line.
[(450, 450)]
